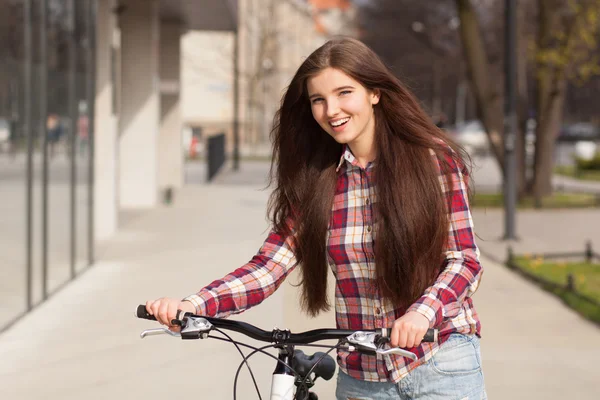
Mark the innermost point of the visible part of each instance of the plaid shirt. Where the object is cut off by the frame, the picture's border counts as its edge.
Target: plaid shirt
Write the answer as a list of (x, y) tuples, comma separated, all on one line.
[(447, 303)]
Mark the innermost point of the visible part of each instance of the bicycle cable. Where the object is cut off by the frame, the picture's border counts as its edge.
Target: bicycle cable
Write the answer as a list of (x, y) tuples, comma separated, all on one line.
[(245, 361), (256, 350), (303, 383)]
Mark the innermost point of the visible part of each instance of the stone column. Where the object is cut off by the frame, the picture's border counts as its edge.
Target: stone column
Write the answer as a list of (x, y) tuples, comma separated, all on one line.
[(105, 126), (170, 152), (140, 104)]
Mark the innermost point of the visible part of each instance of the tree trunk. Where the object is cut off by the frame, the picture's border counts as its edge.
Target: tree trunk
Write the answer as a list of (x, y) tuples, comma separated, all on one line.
[(522, 103), (436, 92), (551, 98), (489, 100), (551, 87)]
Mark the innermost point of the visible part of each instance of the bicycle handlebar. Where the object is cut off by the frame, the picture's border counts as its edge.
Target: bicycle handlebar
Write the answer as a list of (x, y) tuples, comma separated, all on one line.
[(283, 337)]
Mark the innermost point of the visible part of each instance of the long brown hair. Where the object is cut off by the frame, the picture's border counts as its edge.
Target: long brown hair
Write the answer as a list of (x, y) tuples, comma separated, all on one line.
[(412, 211)]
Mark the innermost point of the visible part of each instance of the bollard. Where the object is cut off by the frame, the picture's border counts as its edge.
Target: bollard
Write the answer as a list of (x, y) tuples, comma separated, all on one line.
[(570, 283), (589, 254), (168, 196), (510, 260)]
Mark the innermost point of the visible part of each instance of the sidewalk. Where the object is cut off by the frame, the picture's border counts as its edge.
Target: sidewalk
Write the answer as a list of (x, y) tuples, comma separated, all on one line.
[(538, 231), (84, 343)]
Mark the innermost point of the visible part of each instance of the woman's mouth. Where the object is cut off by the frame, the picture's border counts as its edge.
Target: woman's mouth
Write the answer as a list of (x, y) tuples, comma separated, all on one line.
[(339, 124)]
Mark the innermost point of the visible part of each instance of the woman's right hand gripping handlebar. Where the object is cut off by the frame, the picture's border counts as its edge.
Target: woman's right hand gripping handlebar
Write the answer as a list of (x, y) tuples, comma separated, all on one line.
[(165, 310)]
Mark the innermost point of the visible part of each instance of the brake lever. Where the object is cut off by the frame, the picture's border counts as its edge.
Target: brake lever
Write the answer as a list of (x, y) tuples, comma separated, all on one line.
[(397, 351), (191, 328), (159, 331)]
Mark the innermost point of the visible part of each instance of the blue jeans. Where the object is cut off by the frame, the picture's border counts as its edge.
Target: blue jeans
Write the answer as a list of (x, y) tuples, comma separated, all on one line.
[(453, 373)]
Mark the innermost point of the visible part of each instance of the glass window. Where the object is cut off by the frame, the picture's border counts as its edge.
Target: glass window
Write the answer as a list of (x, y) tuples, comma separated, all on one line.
[(13, 165)]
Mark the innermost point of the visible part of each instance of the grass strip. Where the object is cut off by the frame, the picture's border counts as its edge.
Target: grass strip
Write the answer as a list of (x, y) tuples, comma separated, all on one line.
[(555, 201), (572, 172), (553, 276)]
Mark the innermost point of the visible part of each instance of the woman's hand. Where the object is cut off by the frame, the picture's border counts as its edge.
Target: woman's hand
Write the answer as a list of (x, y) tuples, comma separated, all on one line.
[(165, 310), (408, 330)]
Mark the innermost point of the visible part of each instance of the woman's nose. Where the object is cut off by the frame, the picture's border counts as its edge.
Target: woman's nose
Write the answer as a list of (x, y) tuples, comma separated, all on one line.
[(333, 109)]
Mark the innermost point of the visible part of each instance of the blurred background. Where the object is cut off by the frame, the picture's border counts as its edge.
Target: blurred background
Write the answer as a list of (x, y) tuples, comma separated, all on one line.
[(126, 126)]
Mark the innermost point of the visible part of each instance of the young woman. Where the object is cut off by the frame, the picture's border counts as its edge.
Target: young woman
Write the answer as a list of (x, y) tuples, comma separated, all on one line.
[(366, 185)]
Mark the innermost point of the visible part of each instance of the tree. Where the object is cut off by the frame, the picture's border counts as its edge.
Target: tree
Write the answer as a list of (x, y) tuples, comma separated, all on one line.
[(484, 85), (562, 50), (262, 31)]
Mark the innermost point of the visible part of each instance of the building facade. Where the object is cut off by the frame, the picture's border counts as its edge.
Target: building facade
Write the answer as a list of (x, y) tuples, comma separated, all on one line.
[(275, 36), (94, 96), (90, 125)]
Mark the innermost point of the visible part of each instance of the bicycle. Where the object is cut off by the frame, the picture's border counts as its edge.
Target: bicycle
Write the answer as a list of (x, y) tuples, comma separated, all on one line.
[(295, 373)]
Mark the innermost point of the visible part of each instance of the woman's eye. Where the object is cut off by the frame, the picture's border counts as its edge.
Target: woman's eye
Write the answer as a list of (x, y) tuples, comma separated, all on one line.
[(344, 92), (315, 101)]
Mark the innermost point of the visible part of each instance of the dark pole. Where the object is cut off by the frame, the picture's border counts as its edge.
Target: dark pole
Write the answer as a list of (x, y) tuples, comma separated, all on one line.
[(510, 120), (27, 128), (44, 132), (74, 125), (91, 108), (236, 98)]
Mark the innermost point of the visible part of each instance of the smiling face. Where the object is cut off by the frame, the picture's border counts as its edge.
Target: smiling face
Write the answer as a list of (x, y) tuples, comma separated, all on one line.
[(343, 107)]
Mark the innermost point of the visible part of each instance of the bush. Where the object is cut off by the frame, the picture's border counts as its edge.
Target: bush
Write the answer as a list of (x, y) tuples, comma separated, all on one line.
[(588, 165)]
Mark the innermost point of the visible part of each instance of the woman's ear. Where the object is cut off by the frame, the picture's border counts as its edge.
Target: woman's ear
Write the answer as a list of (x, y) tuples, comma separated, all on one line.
[(375, 96)]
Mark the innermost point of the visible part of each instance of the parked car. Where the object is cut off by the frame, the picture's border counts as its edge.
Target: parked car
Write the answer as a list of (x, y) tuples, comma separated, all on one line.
[(471, 135), (4, 135), (579, 131)]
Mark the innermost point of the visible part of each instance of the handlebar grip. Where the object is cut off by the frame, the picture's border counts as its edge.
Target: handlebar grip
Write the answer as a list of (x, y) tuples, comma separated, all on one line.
[(141, 312), (430, 336)]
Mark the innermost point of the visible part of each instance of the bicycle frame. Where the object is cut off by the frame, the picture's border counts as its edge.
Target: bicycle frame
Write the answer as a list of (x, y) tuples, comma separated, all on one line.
[(283, 380)]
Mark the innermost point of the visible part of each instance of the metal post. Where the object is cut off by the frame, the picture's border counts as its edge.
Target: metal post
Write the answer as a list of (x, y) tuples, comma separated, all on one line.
[(44, 132), (91, 102), (510, 120), (72, 101), (236, 98), (27, 130)]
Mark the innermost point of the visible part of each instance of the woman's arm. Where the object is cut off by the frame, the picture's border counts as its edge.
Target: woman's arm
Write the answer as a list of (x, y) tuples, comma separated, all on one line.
[(251, 284)]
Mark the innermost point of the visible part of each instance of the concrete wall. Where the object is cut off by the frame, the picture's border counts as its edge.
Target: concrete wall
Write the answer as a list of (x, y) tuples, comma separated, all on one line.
[(170, 156), (207, 79)]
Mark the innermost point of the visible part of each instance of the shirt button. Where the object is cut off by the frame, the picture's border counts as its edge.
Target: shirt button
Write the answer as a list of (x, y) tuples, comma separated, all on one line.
[(368, 201), (377, 311), (369, 228)]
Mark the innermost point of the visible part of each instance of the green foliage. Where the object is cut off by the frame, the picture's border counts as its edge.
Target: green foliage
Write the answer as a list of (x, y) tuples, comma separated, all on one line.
[(588, 165), (574, 39)]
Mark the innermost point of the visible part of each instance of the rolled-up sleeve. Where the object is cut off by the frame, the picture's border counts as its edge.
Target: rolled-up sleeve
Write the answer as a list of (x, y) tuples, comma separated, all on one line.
[(250, 284), (462, 273)]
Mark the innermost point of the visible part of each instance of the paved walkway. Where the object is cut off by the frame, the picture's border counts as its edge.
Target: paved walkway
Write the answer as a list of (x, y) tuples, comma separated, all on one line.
[(84, 343)]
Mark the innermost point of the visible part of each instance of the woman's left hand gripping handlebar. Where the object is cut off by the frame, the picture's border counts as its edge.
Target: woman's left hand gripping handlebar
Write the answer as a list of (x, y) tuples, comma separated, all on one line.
[(165, 310)]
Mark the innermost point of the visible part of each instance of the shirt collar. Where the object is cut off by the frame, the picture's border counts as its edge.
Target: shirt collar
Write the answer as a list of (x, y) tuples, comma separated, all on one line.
[(349, 157), (346, 155)]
